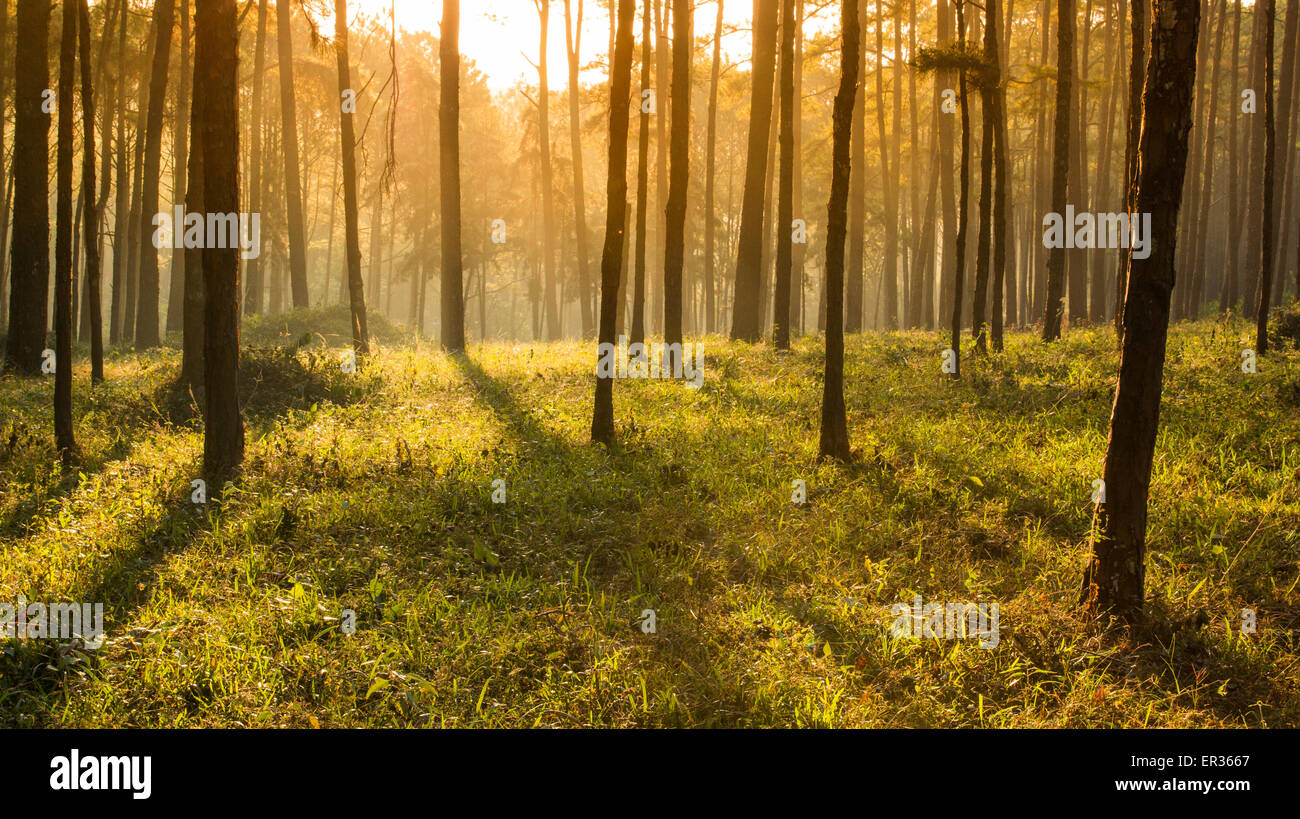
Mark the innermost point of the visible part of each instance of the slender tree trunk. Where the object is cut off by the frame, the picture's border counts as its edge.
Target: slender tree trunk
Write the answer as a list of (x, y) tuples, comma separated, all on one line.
[(1270, 154), (963, 219), (1113, 582), (30, 260), (453, 299), (834, 441), (889, 183), (216, 97), (637, 335), (678, 184), (984, 243), (710, 161), (1229, 293), (1198, 262), (573, 48), (1136, 82), (1055, 311), (785, 193), (254, 285), (180, 142), (63, 240), (1001, 172), (90, 201), (146, 315), (856, 274), (122, 204), (747, 321), (194, 305), (356, 288), (602, 420), (292, 164)]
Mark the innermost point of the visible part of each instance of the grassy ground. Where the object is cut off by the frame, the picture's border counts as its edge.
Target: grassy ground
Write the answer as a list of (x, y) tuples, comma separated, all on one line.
[(373, 492)]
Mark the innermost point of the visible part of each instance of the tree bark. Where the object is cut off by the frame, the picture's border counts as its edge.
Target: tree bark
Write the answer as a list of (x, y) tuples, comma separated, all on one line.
[(1055, 309), (747, 321), (679, 181), (292, 163), (602, 420), (834, 442), (453, 299), (1114, 580), (146, 313)]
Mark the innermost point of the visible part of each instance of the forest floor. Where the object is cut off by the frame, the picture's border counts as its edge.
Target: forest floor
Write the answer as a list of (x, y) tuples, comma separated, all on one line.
[(373, 492)]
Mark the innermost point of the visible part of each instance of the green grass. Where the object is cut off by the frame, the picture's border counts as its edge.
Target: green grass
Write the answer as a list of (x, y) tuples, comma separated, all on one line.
[(373, 493)]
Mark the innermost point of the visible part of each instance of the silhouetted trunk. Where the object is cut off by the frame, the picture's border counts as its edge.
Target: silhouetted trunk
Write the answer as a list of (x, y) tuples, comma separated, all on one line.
[(785, 192), (637, 332), (292, 164), (1266, 215), (180, 142), (710, 162), (30, 253), (984, 243), (679, 181), (1113, 581), (194, 304), (90, 201), (1197, 261), (122, 203), (1055, 309), (1136, 82), (356, 288), (216, 94), (4, 203), (834, 442), (602, 419), (552, 310), (856, 274), (253, 278), (747, 321), (573, 49), (453, 299), (63, 267), (1229, 292), (146, 314), (963, 219), (1001, 173)]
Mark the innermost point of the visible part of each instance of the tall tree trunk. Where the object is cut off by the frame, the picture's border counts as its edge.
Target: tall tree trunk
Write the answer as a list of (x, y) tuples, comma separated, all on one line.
[(602, 419), (1255, 164), (984, 244), (889, 184), (785, 193), (30, 251), (180, 142), (1266, 215), (122, 203), (1229, 292), (1136, 82), (194, 306), (947, 185), (216, 59), (1113, 581), (63, 267), (552, 310), (90, 201), (747, 321), (1001, 172), (963, 219), (453, 299), (146, 314), (642, 184), (1198, 262), (292, 164), (573, 49), (710, 162), (4, 205), (1055, 310), (356, 288), (856, 274), (1281, 181), (253, 284), (678, 184), (834, 442)]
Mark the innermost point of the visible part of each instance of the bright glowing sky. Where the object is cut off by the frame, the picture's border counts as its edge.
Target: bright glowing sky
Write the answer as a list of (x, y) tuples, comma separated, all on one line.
[(500, 35)]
